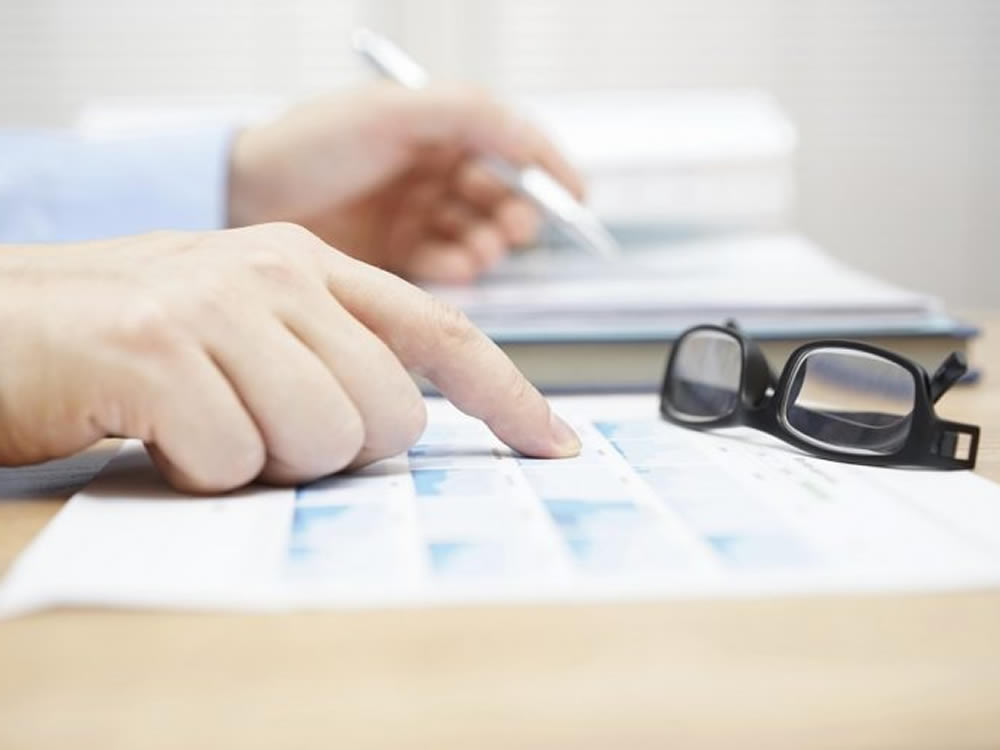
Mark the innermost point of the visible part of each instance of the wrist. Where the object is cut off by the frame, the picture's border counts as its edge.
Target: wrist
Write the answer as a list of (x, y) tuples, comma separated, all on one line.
[(22, 280), (246, 190), (18, 323)]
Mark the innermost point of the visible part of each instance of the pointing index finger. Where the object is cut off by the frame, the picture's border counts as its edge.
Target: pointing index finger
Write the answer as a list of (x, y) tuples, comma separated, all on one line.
[(437, 341)]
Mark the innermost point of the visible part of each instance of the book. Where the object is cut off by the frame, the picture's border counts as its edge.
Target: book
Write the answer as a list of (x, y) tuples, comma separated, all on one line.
[(617, 364), (574, 323)]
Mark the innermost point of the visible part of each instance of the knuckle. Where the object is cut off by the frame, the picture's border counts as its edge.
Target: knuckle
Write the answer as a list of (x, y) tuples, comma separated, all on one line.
[(246, 461), (214, 299), (414, 422), (287, 251), (272, 266), (450, 327), (203, 305), (396, 433), (517, 387), (347, 438), (243, 464), (147, 326), (237, 458), (292, 239), (334, 446), (409, 420), (288, 230)]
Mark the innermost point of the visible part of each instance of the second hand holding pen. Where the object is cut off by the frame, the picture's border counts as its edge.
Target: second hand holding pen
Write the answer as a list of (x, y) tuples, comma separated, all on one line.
[(555, 201)]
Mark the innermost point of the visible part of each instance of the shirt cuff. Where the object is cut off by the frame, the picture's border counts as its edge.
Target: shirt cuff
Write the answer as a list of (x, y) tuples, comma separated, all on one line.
[(63, 188)]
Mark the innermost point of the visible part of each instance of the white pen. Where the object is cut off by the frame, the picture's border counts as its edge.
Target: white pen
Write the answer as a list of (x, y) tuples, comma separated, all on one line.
[(566, 213)]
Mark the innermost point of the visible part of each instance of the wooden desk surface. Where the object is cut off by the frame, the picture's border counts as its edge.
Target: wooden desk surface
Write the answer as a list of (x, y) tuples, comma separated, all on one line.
[(902, 671)]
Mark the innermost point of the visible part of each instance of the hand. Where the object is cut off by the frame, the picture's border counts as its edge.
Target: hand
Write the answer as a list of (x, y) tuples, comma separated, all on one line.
[(390, 176), (259, 352)]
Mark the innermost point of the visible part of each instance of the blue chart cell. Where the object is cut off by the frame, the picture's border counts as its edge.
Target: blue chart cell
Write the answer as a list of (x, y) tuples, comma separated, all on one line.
[(646, 452), (444, 456), (604, 555), (633, 430), (469, 559), (455, 433), (754, 552), (458, 482), (300, 554), (429, 481), (644, 444), (587, 518), (330, 521), (341, 541), (320, 486), (612, 538), (305, 516)]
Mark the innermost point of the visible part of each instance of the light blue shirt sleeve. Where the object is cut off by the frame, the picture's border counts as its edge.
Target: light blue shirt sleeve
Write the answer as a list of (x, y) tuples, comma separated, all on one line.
[(62, 187)]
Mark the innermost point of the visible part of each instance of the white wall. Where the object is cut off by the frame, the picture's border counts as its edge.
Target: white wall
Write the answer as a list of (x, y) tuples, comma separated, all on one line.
[(898, 100)]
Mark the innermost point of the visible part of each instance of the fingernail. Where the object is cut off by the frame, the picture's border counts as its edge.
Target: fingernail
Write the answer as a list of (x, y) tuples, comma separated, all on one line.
[(565, 437)]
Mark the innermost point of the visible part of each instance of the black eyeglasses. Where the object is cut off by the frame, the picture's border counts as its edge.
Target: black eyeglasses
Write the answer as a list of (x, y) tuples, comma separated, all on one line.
[(841, 400)]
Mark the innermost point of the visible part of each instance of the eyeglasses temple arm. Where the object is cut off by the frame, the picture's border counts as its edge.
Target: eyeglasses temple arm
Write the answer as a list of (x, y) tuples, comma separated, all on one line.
[(949, 373)]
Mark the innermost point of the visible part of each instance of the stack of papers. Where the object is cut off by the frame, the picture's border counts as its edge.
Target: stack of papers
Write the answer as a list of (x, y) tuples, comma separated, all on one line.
[(698, 158), (648, 510), (780, 280)]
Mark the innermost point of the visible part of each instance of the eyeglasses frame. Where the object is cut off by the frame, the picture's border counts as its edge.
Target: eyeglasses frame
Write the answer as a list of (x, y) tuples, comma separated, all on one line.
[(931, 441)]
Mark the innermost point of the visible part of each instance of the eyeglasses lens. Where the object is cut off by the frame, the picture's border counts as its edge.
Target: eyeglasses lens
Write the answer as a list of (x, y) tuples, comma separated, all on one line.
[(852, 401), (705, 377)]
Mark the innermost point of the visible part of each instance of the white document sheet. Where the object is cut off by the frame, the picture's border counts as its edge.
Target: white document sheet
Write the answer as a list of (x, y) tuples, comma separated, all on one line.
[(780, 281), (648, 510)]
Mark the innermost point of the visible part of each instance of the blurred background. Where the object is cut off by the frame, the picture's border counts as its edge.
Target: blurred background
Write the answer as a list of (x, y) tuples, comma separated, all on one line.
[(896, 102)]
